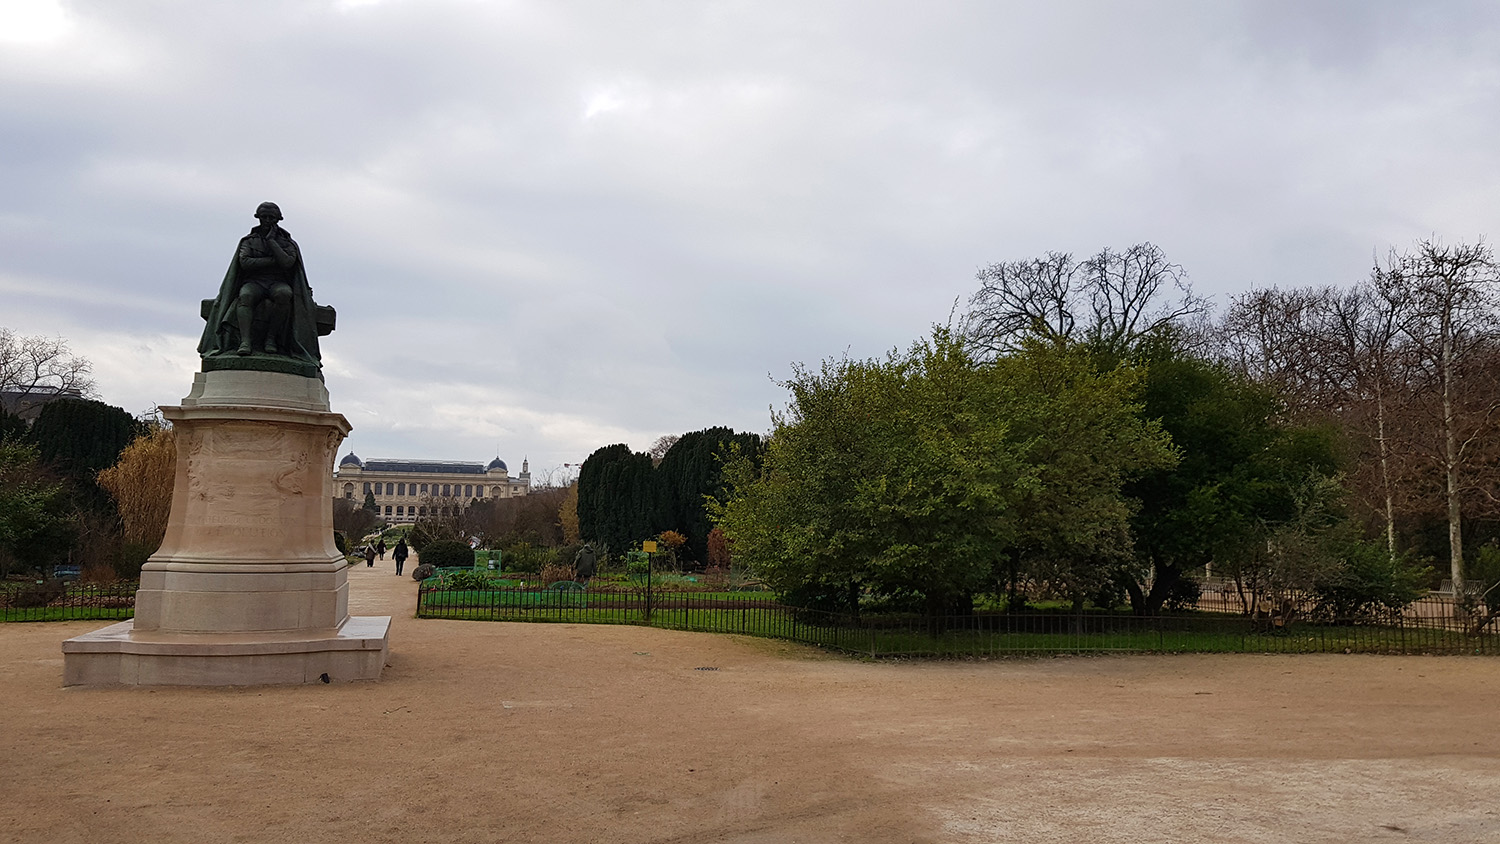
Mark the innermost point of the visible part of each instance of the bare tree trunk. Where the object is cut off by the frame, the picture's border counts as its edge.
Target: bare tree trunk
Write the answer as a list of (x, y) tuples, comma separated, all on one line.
[(1385, 473), (1450, 467)]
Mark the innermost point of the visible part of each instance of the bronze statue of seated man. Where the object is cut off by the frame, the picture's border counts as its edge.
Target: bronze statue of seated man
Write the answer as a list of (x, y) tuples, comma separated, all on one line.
[(268, 261), (265, 306)]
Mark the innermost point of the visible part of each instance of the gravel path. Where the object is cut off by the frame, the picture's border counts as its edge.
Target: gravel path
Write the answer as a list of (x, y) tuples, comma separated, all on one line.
[(483, 732)]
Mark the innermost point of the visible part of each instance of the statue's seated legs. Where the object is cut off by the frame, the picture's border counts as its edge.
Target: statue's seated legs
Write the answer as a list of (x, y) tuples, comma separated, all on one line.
[(263, 313)]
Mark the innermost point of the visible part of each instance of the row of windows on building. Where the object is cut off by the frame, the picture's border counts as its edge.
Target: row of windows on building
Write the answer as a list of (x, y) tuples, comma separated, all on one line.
[(448, 490), (405, 512)]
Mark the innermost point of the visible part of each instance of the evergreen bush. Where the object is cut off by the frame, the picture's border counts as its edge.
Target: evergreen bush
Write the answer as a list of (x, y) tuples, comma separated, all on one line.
[(447, 553)]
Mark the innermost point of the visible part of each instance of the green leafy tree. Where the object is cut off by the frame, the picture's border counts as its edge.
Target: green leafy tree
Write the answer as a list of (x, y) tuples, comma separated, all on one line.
[(36, 519), (1080, 431), (887, 475), (1237, 481), (921, 475), (567, 516)]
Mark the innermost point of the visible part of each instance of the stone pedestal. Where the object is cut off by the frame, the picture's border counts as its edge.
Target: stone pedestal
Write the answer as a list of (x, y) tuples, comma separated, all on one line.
[(248, 587)]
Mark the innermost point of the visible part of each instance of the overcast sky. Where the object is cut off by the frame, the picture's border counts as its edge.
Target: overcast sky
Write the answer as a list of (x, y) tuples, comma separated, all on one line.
[(551, 226)]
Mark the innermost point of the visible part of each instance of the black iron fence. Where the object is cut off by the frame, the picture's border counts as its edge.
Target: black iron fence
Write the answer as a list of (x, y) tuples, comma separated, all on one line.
[(56, 600), (973, 635)]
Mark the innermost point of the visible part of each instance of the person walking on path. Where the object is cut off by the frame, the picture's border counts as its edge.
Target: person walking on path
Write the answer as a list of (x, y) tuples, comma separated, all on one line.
[(369, 556), (400, 554), (380, 548)]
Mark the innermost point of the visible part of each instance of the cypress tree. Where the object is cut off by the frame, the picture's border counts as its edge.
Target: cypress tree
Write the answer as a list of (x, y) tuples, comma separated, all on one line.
[(81, 437), (691, 470), (598, 492)]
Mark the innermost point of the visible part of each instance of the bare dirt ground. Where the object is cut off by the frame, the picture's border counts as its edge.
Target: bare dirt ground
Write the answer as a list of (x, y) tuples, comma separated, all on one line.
[(486, 732)]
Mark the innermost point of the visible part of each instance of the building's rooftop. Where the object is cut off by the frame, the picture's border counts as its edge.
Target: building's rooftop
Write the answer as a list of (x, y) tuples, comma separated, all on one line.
[(434, 467), (28, 403)]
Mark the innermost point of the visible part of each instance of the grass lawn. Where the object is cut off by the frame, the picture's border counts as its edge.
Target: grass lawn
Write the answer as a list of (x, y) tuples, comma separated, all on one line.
[(65, 613), (757, 614)]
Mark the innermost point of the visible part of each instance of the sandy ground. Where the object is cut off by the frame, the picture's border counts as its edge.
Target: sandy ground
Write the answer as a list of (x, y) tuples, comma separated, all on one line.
[(559, 733)]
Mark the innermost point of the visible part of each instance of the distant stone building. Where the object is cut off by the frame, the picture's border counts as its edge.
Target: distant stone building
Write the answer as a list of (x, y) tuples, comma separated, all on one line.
[(28, 404), (407, 490)]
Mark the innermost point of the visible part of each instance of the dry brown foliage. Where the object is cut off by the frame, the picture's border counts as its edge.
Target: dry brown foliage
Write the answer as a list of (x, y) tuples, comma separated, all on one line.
[(567, 516), (141, 485), (554, 572), (718, 549)]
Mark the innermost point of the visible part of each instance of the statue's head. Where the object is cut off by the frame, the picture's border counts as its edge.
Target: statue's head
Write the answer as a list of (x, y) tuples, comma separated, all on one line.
[(268, 211)]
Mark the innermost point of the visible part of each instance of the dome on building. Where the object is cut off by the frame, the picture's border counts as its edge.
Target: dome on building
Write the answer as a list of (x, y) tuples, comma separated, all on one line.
[(351, 459), (497, 463)]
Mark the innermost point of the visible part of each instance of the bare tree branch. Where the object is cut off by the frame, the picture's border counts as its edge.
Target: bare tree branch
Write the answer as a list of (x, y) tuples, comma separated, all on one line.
[(1113, 299), (41, 365), (1020, 299)]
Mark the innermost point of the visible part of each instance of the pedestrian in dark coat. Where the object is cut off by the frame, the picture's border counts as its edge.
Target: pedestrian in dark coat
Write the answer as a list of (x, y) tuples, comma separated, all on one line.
[(369, 556), (584, 563), (380, 548), (400, 553)]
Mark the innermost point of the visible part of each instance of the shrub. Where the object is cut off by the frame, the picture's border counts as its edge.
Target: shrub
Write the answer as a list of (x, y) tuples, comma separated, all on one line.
[(1370, 583), (564, 555), (528, 558), (637, 563), (341, 542), (446, 553), (423, 572), (718, 549), (418, 537), (825, 597), (1183, 596), (429, 531), (553, 572), (672, 541), (38, 594), (141, 482), (467, 579)]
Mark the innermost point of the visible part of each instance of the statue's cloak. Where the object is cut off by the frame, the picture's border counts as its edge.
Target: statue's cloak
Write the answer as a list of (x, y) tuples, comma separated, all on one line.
[(221, 335)]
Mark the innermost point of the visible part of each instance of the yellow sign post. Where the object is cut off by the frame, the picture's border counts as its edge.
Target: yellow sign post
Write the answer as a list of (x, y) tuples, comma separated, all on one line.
[(649, 546)]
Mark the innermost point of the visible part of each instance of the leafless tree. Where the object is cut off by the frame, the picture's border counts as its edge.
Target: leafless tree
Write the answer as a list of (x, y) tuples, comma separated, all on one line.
[(1369, 370), (1111, 300), (1020, 299), (530, 518), (41, 364), (662, 445), (1407, 363), (1271, 337), (1453, 328), (353, 520), (1336, 355), (1134, 294)]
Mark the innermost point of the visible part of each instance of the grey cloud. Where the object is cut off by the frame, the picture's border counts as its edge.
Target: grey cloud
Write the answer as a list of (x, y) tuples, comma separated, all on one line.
[(622, 217)]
